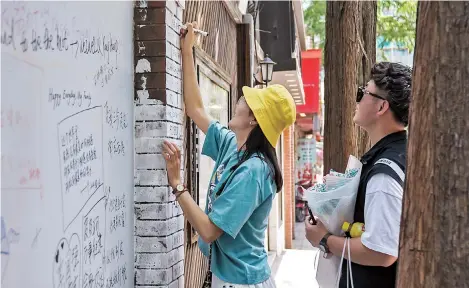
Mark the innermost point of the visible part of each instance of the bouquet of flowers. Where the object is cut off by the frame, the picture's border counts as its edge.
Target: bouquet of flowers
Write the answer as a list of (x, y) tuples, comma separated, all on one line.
[(333, 201)]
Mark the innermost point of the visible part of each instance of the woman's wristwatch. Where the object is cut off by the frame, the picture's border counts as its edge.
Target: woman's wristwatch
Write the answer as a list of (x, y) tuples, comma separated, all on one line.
[(180, 188)]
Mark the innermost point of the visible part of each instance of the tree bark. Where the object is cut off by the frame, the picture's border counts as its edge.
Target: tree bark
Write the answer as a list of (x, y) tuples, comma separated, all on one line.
[(369, 18), (434, 242), (348, 55)]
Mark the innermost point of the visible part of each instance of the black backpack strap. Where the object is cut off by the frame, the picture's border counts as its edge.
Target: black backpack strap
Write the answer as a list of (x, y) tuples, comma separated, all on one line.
[(389, 167)]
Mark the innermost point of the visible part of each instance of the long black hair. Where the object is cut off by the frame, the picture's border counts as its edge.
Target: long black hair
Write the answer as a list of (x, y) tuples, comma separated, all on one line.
[(258, 145)]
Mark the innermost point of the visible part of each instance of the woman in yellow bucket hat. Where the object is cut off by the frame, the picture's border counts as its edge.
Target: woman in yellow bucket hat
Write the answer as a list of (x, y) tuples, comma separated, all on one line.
[(244, 182)]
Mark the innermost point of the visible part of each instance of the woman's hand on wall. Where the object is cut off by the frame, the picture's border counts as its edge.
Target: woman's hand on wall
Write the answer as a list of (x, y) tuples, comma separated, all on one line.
[(172, 156)]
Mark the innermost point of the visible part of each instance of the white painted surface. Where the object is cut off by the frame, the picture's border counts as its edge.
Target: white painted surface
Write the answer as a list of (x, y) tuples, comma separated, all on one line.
[(67, 78)]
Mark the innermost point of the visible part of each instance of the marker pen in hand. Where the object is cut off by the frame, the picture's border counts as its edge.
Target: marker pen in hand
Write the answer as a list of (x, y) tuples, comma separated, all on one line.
[(196, 31)]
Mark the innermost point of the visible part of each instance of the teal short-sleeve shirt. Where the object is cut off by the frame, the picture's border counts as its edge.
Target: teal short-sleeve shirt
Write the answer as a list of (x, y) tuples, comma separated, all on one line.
[(241, 210)]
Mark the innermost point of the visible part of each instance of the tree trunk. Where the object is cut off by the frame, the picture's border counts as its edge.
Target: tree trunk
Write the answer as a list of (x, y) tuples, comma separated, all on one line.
[(434, 249), (369, 18), (344, 53)]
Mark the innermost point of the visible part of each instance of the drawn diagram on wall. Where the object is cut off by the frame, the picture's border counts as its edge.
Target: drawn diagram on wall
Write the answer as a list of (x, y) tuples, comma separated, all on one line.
[(67, 144)]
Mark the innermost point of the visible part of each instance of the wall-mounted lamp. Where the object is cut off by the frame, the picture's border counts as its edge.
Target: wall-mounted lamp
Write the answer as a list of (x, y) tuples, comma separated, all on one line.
[(267, 70)]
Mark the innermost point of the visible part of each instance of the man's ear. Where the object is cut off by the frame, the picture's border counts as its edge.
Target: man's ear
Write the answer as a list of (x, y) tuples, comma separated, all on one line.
[(253, 122), (384, 106)]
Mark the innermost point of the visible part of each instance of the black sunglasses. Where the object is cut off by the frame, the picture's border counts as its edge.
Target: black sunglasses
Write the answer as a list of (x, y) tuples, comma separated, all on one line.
[(362, 91)]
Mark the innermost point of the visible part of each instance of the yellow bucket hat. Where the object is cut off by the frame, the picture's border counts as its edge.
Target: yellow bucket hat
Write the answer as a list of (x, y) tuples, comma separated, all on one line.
[(273, 108)]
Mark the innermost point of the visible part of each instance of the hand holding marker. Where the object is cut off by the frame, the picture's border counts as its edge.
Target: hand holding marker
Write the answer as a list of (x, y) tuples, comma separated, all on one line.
[(196, 31)]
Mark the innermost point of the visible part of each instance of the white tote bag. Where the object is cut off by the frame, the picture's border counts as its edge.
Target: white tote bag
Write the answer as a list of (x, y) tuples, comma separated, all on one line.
[(330, 267)]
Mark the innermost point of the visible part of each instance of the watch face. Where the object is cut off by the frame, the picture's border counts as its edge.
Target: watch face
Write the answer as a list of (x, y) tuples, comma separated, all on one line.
[(180, 188)]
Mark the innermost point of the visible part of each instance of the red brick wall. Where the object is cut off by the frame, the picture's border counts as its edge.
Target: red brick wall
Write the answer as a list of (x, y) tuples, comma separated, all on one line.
[(288, 176)]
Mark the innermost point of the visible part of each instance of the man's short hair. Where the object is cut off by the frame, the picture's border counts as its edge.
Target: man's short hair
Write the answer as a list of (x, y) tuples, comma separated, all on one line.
[(396, 80)]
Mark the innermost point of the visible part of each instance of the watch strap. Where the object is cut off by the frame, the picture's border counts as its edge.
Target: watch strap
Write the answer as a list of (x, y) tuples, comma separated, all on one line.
[(179, 193), (323, 241)]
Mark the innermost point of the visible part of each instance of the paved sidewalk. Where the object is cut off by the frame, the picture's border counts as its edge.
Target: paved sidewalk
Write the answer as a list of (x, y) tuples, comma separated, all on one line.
[(300, 241), (295, 269)]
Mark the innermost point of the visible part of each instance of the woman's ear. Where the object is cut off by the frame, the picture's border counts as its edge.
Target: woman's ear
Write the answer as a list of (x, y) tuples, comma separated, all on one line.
[(253, 122)]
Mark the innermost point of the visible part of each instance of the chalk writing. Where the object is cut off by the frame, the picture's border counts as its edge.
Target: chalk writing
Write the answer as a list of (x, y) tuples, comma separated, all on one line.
[(115, 118), (70, 97), (66, 269), (11, 118), (117, 221), (92, 239), (35, 33), (34, 243), (26, 174), (115, 252), (116, 203), (33, 174), (116, 147), (117, 214), (77, 154), (8, 34), (94, 279), (117, 277), (93, 245), (8, 237), (104, 75), (80, 148)]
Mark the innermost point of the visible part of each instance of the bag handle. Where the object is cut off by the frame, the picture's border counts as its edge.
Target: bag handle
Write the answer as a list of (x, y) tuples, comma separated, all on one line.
[(349, 265)]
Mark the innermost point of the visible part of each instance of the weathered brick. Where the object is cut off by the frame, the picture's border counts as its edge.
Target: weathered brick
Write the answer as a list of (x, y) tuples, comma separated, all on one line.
[(172, 22), (172, 225), (150, 64), (149, 112), (158, 81), (173, 68), (150, 177), (181, 282), (174, 284), (173, 83), (180, 222), (151, 48), (153, 244), (150, 32), (153, 276), (141, 3), (154, 145), (175, 256), (152, 228), (150, 96), (158, 4), (178, 239), (173, 53), (150, 15), (150, 81), (178, 269), (150, 161), (177, 209), (158, 129), (159, 223), (173, 99), (153, 260), (158, 112), (152, 194), (153, 211)]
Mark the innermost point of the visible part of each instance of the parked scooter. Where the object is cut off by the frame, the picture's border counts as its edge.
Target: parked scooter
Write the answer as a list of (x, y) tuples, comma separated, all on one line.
[(301, 207)]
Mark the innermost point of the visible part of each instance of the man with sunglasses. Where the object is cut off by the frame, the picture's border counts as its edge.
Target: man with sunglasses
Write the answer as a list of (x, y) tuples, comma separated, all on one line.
[(382, 111)]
